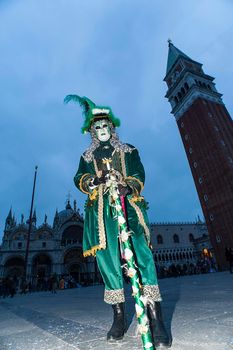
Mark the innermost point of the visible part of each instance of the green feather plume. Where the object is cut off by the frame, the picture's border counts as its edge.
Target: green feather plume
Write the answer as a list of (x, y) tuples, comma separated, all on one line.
[(87, 106), (84, 102)]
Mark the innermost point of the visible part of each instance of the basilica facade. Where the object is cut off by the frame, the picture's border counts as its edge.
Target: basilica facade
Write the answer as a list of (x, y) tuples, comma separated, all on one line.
[(54, 249), (57, 248)]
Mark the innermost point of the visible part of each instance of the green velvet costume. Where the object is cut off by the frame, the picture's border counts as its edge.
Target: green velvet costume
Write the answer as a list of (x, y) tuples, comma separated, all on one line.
[(100, 236)]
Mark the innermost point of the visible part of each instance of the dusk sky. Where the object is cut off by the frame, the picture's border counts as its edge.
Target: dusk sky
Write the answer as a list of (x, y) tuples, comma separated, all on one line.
[(115, 53)]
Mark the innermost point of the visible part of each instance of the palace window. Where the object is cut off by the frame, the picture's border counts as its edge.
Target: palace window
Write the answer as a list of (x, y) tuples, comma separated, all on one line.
[(191, 238), (159, 239), (176, 238)]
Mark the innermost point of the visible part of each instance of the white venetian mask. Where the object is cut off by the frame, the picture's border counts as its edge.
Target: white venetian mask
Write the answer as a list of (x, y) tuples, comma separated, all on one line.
[(102, 130)]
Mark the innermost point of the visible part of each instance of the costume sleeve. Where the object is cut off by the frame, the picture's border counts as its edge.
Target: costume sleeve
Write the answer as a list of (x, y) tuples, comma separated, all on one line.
[(84, 176), (135, 172)]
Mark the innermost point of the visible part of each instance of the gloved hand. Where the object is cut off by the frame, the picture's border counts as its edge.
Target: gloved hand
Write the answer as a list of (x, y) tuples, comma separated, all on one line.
[(124, 190), (102, 179)]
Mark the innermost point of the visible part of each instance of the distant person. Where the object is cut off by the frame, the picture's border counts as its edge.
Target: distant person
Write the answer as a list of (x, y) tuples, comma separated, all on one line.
[(54, 284), (5, 291), (23, 286), (1, 287), (231, 260), (30, 287), (11, 287), (62, 283)]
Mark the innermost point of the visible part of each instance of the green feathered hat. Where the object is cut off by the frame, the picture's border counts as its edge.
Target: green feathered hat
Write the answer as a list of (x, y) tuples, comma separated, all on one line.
[(92, 112)]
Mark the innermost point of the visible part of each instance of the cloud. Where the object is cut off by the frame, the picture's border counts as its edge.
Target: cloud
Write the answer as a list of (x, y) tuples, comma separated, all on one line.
[(115, 53)]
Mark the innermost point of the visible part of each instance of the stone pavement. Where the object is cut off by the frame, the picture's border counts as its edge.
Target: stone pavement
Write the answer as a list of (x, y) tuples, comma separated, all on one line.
[(198, 313)]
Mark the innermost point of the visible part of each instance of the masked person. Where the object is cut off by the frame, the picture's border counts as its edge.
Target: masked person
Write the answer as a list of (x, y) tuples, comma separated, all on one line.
[(106, 154)]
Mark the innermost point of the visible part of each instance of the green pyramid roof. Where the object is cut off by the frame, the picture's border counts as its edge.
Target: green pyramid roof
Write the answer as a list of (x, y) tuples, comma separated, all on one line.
[(173, 55)]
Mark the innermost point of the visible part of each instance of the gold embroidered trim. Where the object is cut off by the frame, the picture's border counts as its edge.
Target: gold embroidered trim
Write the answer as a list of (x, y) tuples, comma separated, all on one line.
[(137, 199), (92, 251), (135, 179), (152, 292), (123, 167), (114, 296), (93, 195), (140, 218), (81, 185), (101, 228)]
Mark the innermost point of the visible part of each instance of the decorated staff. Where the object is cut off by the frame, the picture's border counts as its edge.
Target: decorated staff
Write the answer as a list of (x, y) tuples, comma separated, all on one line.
[(128, 256), (105, 185)]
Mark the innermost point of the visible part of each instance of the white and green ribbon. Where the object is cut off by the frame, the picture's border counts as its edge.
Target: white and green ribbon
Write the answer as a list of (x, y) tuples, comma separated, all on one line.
[(140, 300)]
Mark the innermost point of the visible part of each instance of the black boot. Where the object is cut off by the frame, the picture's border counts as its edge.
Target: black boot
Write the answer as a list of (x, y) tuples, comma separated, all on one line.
[(118, 328), (159, 334)]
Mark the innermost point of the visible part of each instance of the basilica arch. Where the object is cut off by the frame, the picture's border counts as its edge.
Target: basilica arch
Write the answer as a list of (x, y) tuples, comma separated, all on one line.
[(74, 264), (42, 265), (72, 234), (14, 266)]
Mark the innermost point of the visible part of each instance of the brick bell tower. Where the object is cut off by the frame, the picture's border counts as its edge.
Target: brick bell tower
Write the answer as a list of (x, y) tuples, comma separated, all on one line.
[(206, 129)]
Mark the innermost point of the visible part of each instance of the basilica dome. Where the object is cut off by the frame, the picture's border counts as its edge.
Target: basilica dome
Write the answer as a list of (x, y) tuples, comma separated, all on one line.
[(66, 214)]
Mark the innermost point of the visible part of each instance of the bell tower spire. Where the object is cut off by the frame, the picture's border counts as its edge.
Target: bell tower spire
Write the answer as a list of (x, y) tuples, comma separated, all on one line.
[(173, 54), (187, 82)]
